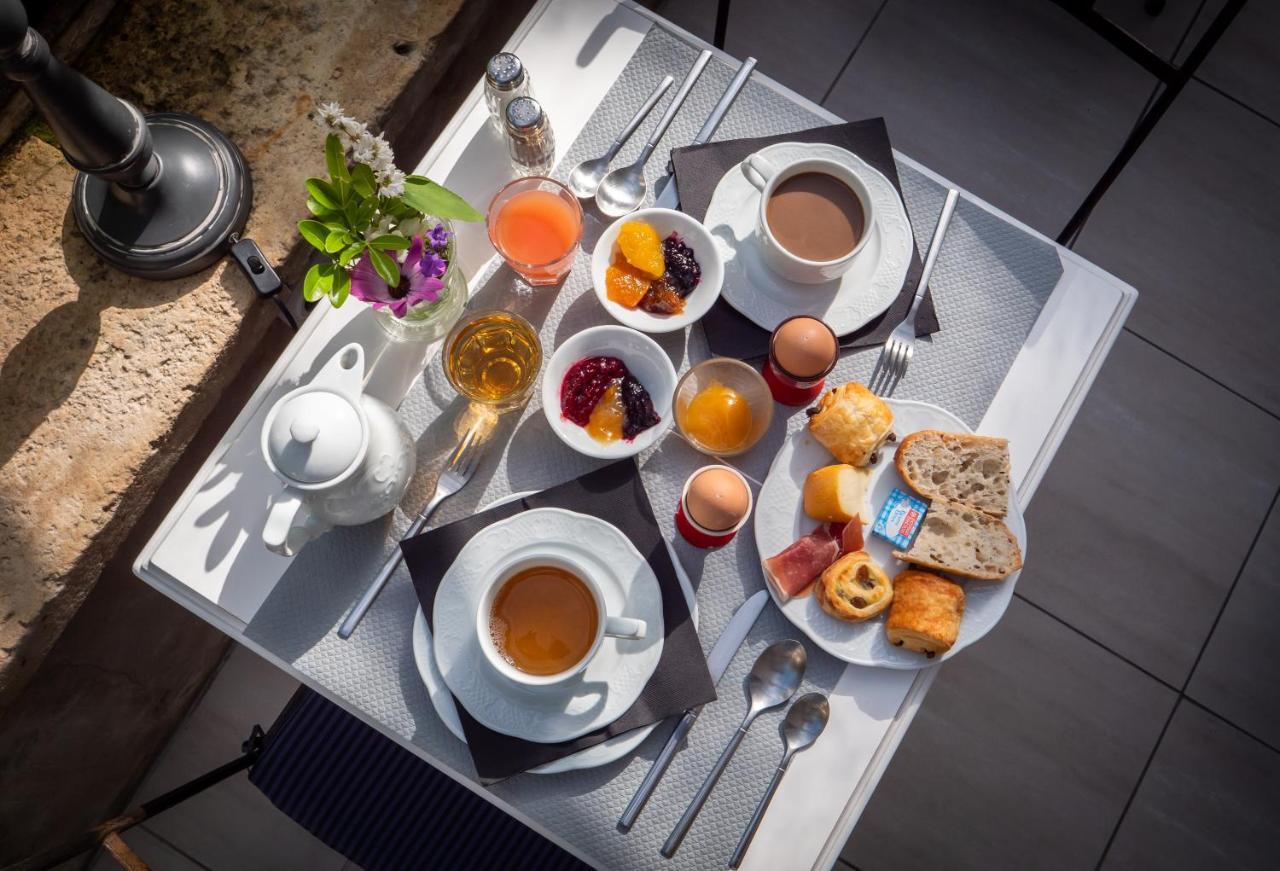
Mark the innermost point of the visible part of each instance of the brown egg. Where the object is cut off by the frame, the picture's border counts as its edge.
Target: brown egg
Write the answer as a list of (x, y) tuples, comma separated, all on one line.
[(717, 499), (804, 347)]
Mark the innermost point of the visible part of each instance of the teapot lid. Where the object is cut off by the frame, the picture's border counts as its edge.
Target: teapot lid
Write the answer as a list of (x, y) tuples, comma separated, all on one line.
[(315, 436)]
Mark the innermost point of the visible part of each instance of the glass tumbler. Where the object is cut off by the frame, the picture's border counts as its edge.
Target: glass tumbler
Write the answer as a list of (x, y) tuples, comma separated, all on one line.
[(535, 223)]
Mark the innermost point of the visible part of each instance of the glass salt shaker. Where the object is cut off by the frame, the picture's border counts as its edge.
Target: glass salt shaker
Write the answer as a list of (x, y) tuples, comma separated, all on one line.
[(505, 78), (529, 138)]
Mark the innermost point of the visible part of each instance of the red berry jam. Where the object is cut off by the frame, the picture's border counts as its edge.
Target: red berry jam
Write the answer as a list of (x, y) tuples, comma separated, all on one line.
[(584, 384)]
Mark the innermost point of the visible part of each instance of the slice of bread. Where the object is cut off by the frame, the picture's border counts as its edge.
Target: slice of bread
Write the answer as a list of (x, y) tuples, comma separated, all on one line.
[(965, 542), (970, 469)]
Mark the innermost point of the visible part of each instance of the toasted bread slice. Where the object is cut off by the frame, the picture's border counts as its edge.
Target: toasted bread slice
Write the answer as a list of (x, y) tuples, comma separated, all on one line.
[(965, 542), (970, 469)]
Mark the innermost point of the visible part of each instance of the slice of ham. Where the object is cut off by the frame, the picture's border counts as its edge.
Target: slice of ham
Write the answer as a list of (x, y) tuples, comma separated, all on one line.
[(848, 534), (793, 570)]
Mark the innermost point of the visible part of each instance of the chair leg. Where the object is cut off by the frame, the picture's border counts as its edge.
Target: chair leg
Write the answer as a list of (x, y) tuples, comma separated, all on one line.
[(121, 852), (722, 23)]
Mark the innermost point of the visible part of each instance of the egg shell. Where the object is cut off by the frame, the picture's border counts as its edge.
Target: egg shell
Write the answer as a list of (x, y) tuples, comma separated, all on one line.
[(717, 499), (804, 347)]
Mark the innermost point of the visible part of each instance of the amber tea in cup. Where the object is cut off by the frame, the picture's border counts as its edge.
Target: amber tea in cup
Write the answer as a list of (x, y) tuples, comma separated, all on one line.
[(493, 357), (544, 620)]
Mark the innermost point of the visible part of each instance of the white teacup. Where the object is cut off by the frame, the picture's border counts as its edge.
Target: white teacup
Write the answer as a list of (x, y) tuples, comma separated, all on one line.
[(616, 627), (765, 176)]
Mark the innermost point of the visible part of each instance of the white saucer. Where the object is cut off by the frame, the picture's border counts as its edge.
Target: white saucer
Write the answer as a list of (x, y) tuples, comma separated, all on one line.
[(615, 677), (766, 298), (780, 520)]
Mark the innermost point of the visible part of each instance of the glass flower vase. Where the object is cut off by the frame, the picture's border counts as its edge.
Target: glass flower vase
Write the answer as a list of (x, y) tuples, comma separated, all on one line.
[(428, 321)]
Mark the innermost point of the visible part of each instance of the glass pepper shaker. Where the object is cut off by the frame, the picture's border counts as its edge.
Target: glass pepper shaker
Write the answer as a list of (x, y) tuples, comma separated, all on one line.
[(530, 142), (505, 78)]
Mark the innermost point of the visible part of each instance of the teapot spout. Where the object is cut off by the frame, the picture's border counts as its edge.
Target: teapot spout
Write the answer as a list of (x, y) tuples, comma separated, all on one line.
[(290, 523)]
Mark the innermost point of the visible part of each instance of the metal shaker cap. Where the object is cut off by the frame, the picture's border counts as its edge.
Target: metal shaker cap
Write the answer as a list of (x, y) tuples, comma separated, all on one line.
[(524, 114), (505, 71)]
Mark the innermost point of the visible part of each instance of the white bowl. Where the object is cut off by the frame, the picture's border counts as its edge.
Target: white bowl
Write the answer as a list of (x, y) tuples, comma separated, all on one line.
[(648, 363), (696, 304)]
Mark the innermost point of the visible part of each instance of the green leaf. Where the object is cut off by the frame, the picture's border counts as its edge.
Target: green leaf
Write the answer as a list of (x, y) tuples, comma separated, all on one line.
[(314, 232), (310, 284), (351, 252), (362, 180), (341, 287), (345, 191), (324, 283), (324, 193), (365, 213), (335, 159), (390, 243), (388, 270), (336, 241), (430, 198), (318, 210)]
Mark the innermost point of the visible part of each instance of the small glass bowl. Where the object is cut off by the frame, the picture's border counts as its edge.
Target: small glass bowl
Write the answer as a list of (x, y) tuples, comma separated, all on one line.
[(736, 375)]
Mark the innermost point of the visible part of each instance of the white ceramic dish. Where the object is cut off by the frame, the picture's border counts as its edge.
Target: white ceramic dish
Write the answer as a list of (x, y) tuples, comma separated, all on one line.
[(644, 358), (861, 294), (780, 520), (705, 251), (612, 680)]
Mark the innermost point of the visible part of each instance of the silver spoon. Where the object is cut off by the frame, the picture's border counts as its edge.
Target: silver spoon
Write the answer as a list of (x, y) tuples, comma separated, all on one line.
[(773, 679), (586, 176), (802, 726), (624, 188)]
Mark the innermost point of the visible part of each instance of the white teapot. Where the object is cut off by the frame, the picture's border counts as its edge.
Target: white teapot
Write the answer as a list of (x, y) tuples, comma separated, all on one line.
[(345, 458)]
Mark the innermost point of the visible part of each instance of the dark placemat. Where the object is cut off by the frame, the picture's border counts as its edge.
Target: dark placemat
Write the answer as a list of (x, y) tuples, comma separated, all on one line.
[(681, 680), (699, 169)]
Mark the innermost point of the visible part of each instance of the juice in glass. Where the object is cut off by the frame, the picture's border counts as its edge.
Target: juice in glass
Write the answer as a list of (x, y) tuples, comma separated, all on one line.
[(535, 223)]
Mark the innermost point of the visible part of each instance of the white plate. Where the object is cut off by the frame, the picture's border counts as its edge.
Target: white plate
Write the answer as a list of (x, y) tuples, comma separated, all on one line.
[(780, 520), (766, 298), (705, 251), (614, 678), (644, 358)]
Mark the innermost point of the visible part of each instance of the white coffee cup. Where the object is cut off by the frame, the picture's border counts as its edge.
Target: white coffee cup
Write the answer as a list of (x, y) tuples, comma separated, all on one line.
[(765, 176), (615, 627)]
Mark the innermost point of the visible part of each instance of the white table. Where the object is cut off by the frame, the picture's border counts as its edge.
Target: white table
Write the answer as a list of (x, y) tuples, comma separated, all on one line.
[(576, 49)]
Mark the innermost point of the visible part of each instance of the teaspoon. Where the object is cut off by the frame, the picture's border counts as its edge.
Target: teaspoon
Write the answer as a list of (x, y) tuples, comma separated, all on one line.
[(586, 176), (624, 188), (804, 723), (773, 679)]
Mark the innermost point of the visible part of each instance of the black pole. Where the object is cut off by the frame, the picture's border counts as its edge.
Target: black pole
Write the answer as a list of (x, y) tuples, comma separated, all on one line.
[(722, 24), (157, 196)]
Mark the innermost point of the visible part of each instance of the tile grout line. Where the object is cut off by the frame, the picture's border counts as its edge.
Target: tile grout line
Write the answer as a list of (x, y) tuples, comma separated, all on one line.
[(172, 846), (1234, 392), (1235, 100), (1243, 731), (857, 45), (1142, 775)]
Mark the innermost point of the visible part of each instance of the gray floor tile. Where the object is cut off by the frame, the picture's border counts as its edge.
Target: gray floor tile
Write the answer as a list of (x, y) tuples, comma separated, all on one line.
[(1149, 508), (1238, 674), (1246, 61), (1161, 33), (232, 825), (1018, 102), (159, 855), (802, 44), (1192, 224), (1023, 756), (1209, 800)]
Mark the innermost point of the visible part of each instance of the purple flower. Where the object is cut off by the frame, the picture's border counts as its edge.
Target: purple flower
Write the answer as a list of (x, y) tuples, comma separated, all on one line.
[(439, 237), (432, 265), (416, 285)]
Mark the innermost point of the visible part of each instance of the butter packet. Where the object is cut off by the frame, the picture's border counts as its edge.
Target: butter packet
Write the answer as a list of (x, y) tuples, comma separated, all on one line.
[(900, 518)]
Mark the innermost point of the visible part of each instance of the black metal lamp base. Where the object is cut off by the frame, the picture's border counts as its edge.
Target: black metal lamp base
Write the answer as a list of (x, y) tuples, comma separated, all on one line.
[(180, 222)]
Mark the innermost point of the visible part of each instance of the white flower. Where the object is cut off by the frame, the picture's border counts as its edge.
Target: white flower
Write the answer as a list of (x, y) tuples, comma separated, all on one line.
[(383, 159), (384, 227), (327, 114), (349, 129), (363, 149), (391, 183)]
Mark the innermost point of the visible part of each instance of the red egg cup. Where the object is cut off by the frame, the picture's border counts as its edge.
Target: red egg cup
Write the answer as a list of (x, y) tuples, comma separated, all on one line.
[(787, 390), (698, 535)]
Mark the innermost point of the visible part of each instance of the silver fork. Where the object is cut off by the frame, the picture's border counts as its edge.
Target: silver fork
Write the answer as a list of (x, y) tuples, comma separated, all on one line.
[(895, 357), (462, 465)]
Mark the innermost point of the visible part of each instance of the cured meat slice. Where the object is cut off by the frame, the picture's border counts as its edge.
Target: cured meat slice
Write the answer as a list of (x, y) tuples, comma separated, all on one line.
[(793, 570), (848, 534)]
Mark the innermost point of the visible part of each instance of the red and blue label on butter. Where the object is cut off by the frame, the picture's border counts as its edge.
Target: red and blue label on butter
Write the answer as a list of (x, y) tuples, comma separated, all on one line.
[(900, 518)]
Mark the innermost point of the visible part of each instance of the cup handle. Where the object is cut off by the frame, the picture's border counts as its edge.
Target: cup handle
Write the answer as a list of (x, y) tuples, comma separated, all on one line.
[(758, 171), (624, 627)]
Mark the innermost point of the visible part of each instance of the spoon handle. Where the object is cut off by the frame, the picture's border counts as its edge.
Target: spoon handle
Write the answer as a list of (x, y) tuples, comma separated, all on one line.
[(740, 851), (676, 102), (700, 798), (639, 116)]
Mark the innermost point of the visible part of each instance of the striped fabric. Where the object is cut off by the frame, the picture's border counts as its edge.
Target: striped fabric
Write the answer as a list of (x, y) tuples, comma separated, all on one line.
[(382, 807)]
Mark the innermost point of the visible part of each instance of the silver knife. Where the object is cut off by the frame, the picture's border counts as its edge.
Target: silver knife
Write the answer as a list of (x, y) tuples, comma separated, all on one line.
[(717, 662), (667, 196)]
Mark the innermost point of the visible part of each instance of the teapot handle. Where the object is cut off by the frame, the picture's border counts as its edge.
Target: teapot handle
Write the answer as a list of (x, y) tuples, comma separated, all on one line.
[(288, 516), (344, 373)]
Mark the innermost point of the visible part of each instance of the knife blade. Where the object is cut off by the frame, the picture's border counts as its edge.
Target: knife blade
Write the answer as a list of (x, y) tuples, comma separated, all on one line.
[(666, 195), (717, 663)]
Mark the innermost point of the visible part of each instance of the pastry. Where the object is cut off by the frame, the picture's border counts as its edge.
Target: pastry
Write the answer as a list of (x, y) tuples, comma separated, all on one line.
[(925, 614), (854, 588), (836, 494), (962, 467), (851, 422), (964, 541)]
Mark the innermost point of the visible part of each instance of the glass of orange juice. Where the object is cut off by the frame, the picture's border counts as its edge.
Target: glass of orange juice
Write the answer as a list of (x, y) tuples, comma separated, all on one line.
[(535, 223)]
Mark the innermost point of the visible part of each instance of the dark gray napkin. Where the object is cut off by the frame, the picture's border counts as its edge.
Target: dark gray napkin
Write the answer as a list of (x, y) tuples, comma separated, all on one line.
[(681, 681), (699, 169)]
